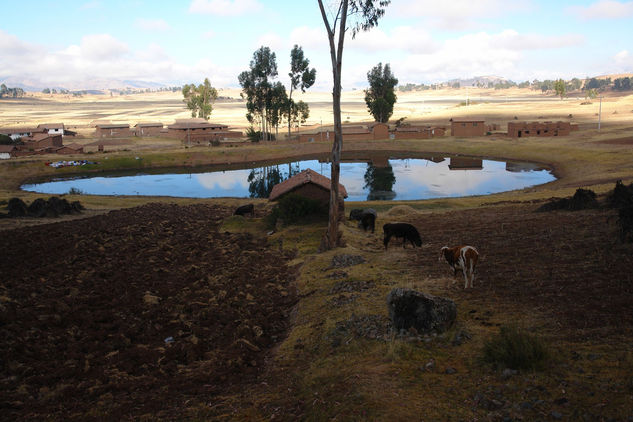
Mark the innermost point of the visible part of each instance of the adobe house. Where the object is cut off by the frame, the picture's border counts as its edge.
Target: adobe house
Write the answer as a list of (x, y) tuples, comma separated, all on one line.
[(113, 130), (148, 129), (41, 140), (522, 129), (7, 151), (417, 132), (464, 163), (309, 184), (70, 149), (53, 128), (199, 131), (19, 132), (374, 131), (468, 128)]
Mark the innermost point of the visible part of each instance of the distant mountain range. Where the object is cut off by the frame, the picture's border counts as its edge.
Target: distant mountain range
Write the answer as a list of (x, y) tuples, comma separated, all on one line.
[(478, 81), (93, 85)]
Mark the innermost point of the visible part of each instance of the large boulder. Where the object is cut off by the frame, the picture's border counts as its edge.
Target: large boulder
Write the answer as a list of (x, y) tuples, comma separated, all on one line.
[(426, 313), (17, 208)]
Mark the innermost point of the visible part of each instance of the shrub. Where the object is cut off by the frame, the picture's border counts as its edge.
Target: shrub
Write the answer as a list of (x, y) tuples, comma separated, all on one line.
[(256, 135), (75, 191), (515, 348), (294, 208)]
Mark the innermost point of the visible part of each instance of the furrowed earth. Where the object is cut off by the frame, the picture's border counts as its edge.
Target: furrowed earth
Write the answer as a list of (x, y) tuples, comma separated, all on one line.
[(139, 311)]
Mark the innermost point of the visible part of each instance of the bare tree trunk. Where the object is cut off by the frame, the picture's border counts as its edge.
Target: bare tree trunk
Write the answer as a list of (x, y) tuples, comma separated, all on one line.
[(289, 110), (332, 237)]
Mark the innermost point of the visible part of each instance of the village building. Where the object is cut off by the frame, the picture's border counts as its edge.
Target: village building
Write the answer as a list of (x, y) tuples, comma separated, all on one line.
[(308, 184), (70, 149), (199, 131), (148, 129), (8, 151), (541, 129), (53, 128), (19, 132), (39, 141), (417, 132), (113, 130), (468, 128)]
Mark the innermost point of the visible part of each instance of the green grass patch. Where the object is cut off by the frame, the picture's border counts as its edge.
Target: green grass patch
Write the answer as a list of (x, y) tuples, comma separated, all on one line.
[(515, 348)]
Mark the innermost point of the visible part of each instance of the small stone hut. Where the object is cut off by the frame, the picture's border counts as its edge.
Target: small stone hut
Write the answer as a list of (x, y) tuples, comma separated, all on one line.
[(309, 184)]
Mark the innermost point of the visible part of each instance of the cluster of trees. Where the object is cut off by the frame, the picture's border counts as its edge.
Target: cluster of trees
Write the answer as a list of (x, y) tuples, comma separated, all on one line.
[(6, 92), (623, 84), (268, 104), (199, 99)]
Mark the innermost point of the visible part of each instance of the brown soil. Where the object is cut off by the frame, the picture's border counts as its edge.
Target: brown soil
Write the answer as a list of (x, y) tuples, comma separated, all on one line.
[(567, 265), (143, 311)]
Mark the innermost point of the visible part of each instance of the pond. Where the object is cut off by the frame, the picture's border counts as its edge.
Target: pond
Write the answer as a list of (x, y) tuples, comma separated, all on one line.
[(364, 176)]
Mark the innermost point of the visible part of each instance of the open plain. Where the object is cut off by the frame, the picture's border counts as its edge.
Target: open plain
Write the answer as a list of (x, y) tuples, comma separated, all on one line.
[(326, 352)]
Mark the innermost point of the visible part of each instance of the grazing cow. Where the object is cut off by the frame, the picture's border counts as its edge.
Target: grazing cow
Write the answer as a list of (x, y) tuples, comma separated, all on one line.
[(404, 230), (245, 209), (356, 214), (463, 258), (368, 220)]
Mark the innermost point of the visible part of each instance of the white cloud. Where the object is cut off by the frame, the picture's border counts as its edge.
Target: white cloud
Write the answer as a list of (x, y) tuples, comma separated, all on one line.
[(209, 34), (412, 40), (513, 40), (152, 24), (272, 40), (225, 7), (458, 14), (307, 37), (624, 61), (604, 9)]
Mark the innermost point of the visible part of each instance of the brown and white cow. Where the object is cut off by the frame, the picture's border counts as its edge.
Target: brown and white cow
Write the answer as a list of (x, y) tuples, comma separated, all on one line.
[(463, 258)]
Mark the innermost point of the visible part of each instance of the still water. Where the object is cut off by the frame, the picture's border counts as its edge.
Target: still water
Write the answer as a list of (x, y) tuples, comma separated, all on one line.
[(364, 179)]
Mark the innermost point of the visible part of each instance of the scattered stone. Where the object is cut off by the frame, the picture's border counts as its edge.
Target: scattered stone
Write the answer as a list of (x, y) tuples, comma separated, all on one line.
[(342, 300), (593, 356), (426, 313), (556, 415), (461, 337), (336, 275), (375, 327), (345, 260), (450, 370), (430, 365), (351, 286)]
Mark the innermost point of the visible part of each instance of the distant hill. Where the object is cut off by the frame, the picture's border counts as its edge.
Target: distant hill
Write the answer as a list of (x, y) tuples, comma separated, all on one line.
[(93, 85), (478, 81)]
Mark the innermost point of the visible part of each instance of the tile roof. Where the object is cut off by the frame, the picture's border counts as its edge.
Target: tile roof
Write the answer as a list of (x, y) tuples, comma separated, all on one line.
[(300, 179)]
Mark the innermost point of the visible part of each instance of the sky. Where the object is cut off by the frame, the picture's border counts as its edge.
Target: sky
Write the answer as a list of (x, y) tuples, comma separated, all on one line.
[(92, 44)]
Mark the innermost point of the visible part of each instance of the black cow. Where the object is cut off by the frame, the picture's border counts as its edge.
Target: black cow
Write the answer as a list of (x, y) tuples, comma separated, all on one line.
[(245, 209), (404, 230), (368, 219), (356, 214)]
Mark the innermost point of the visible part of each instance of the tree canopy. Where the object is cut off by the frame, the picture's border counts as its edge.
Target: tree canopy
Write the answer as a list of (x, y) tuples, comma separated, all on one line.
[(301, 77), (199, 99), (381, 95)]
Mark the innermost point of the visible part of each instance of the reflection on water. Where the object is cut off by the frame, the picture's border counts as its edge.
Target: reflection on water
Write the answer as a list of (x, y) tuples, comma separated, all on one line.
[(365, 178), (379, 181)]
